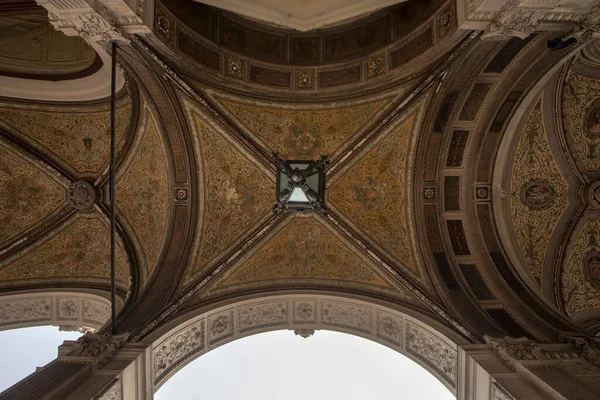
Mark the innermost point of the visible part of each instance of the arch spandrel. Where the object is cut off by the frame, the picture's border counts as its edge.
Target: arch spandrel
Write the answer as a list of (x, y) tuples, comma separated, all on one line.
[(199, 332)]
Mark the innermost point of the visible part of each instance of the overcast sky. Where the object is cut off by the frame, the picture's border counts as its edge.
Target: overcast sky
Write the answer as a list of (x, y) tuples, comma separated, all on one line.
[(269, 366)]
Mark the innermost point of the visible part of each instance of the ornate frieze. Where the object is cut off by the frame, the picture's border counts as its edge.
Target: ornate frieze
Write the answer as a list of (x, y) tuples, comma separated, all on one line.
[(436, 353), (498, 393), (59, 308), (264, 315), (177, 348), (304, 315)]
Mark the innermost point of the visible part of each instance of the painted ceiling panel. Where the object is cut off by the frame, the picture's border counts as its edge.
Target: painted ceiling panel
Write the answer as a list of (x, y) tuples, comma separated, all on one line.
[(27, 194)]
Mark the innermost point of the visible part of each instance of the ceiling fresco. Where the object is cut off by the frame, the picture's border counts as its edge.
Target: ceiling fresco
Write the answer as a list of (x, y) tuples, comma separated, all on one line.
[(580, 277), (580, 107), (304, 132), (235, 193), (373, 193), (539, 193), (143, 191), (79, 250), (29, 194), (305, 249), (462, 184), (77, 138)]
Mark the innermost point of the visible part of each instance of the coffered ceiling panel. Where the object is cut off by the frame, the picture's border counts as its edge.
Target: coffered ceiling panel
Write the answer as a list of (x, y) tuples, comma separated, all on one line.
[(28, 194), (304, 132), (79, 250), (235, 192), (305, 249), (539, 193), (143, 191), (76, 135)]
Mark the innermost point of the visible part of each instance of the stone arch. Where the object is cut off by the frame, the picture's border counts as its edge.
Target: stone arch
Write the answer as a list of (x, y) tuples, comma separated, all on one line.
[(66, 309), (205, 330), (91, 87)]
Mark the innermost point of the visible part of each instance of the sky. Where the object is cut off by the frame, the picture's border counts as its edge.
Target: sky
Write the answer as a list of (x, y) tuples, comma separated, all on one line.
[(269, 366)]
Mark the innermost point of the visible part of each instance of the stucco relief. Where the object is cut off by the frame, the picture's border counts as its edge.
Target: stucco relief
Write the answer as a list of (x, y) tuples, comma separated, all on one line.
[(498, 393), (348, 316), (263, 315), (372, 193), (237, 194), (178, 348), (27, 194), (433, 351), (304, 249), (58, 308), (581, 115), (304, 133), (143, 192), (306, 314), (80, 138), (113, 393), (81, 250), (580, 272), (539, 193)]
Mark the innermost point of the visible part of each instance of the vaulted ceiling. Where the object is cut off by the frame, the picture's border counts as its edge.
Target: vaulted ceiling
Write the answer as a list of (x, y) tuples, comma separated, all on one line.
[(462, 184)]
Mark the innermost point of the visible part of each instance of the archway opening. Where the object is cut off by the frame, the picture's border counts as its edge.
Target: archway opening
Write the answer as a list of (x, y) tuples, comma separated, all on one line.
[(326, 365), (25, 349)]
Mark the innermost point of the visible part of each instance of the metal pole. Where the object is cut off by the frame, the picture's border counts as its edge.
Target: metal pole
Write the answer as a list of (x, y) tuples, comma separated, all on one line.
[(113, 284)]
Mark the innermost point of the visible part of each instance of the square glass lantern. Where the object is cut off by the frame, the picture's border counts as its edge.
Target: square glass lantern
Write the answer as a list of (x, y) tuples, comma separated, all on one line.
[(300, 185)]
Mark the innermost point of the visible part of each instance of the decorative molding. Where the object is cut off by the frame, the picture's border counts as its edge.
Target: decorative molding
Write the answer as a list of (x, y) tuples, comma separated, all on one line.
[(102, 347), (111, 20), (511, 351), (56, 308), (589, 347), (304, 315)]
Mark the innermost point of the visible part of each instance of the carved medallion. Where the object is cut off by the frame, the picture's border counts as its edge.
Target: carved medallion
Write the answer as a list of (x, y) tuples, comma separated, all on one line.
[(537, 194), (591, 267), (82, 195), (594, 195), (592, 121)]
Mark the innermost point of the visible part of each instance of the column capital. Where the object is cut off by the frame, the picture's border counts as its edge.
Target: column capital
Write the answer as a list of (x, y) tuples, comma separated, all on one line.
[(94, 21), (101, 347)]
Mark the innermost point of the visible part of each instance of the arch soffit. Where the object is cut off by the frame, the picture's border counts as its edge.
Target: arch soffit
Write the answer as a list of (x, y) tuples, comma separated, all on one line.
[(546, 93), (93, 87), (207, 330), (67, 309)]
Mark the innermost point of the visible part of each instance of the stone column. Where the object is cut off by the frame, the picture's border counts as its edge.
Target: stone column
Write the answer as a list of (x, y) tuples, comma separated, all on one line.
[(525, 369), (102, 367)]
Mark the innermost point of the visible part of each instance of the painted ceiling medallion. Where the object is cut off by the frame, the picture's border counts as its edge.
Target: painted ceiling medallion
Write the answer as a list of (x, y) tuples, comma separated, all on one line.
[(537, 194), (591, 267), (82, 195), (300, 184), (592, 121)]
